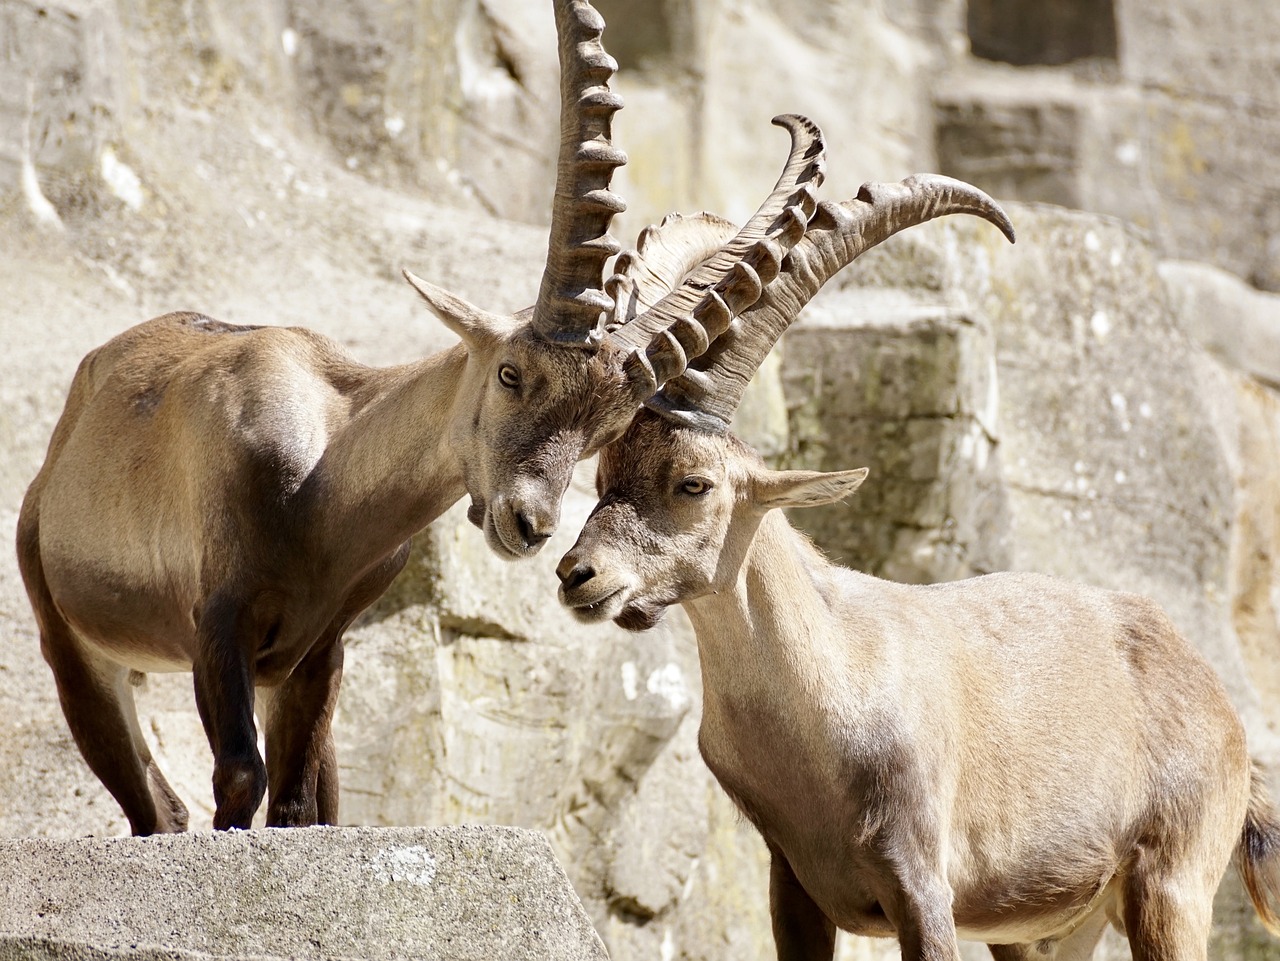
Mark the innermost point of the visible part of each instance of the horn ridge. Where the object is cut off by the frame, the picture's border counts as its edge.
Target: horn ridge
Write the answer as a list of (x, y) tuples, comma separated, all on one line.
[(571, 297), (836, 235), (740, 270), (663, 256)]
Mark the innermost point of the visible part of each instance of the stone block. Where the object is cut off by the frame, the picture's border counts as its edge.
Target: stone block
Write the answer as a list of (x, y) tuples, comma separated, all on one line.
[(452, 98), (1014, 144), (1048, 32), (1184, 167), (764, 59), (906, 388), (1198, 47), (456, 894), (1211, 180)]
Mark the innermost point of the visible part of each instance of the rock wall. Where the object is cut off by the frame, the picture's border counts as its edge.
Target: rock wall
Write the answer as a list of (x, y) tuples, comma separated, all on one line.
[(1074, 404)]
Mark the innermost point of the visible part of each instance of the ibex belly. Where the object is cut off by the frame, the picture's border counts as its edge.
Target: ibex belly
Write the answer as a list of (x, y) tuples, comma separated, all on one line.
[(818, 807), (1053, 920), (119, 610)]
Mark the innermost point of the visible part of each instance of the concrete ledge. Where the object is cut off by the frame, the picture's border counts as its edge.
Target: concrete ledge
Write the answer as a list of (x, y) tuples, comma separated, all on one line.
[(452, 894)]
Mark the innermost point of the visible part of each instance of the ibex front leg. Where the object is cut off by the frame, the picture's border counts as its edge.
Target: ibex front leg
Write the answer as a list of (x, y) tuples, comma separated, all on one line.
[(921, 913), (302, 762), (224, 697), (800, 929), (910, 883)]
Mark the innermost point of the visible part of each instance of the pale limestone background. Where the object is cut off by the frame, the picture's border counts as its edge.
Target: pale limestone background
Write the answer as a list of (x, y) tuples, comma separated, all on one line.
[(1098, 401)]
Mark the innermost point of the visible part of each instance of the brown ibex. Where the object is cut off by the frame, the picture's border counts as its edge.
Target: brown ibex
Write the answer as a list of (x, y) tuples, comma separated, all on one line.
[(1014, 759), (226, 499)]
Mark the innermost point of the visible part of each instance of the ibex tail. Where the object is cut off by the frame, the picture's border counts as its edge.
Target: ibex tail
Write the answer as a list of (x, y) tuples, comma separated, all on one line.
[(1259, 853)]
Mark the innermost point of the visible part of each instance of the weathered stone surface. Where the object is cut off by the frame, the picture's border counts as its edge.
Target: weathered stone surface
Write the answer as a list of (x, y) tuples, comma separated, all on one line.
[(443, 95), (21, 948), (1238, 325), (1194, 46), (1051, 32), (59, 92), (696, 125), (1016, 142), (907, 389), (464, 893), (1182, 144)]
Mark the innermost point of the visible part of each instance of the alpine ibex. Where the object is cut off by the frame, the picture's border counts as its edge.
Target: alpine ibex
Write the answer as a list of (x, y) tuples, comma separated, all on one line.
[(227, 499), (1012, 759)]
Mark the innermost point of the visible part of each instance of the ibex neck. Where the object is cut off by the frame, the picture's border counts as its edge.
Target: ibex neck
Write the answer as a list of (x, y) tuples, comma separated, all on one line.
[(775, 622), (390, 471)]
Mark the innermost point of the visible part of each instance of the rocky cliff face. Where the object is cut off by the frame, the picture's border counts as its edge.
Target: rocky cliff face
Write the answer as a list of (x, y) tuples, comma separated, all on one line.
[(1076, 404)]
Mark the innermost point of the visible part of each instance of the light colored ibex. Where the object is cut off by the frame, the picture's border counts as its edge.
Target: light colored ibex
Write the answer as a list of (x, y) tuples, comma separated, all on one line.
[(1013, 759), (226, 499)]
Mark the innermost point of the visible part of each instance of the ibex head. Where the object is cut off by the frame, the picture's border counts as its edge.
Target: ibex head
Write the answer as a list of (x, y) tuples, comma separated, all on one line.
[(556, 382), (677, 512), (681, 497)]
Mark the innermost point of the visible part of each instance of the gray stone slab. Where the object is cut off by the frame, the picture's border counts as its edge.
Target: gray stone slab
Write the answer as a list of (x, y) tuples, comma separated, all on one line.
[(452, 894)]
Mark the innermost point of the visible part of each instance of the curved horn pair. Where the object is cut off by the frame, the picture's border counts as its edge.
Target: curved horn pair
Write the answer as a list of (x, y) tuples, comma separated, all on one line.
[(709, 392), (663, 340)]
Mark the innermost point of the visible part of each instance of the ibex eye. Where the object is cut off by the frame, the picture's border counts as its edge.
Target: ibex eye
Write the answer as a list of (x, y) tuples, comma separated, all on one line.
[(509, 376), (695, 486)]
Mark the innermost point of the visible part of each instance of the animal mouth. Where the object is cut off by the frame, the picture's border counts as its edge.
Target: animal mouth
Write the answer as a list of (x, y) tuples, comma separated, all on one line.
[(502, 533), (603, 608), (497, 541)]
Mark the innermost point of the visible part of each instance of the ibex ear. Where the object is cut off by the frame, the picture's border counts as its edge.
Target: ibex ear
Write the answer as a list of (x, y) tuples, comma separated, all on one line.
[(805, 488), (475, 326)]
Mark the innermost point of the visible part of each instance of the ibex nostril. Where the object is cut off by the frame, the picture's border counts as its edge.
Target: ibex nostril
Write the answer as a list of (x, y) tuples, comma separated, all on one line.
[(531, 537), (573, 573)]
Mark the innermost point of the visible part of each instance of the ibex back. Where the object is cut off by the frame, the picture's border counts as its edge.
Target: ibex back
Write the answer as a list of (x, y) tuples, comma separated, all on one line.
[(1013, 759), (227, 499)]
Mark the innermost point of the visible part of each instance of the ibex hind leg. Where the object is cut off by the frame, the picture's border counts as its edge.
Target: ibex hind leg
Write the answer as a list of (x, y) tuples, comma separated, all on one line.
[(1167, 896), (97, 701), (1167, 915), (801, 932), (223, 681)]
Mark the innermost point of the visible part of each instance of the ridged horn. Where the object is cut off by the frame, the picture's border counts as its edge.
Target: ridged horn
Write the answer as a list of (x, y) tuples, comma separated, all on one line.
[(571, 298), (663, 256), (665, 339), (707, 396)]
